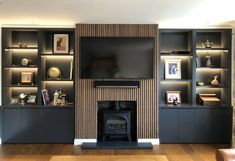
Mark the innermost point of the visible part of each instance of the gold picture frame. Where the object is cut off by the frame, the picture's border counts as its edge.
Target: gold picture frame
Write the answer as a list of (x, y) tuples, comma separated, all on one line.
[(26, 77), (173, 95), (61, 43)]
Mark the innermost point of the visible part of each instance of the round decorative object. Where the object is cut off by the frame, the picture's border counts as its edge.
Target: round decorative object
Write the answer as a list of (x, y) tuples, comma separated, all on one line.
[(24, 62), (53, 72)]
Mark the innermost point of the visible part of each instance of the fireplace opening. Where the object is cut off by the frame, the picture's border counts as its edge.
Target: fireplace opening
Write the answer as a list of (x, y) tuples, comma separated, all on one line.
[(117, 121)]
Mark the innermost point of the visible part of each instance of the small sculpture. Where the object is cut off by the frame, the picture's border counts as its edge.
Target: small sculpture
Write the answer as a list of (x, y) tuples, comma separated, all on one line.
[(22, 45), (22, 96), (55, 97), (215, 82), (208, 60), (207, 44)]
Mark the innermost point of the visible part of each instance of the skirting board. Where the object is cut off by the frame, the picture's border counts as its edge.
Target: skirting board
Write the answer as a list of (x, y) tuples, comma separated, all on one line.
[(80, 141)]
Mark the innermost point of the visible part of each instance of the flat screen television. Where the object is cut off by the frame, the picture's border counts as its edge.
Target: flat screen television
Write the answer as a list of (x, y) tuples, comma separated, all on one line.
[(116, 57)]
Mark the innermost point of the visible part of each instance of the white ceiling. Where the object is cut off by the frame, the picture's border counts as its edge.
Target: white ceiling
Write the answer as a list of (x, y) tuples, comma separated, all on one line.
[(166, 13)]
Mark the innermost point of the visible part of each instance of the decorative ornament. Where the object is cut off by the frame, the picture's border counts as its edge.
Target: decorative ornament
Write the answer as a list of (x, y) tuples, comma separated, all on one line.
[(207, 44), (215, 82), (24, 62), (54, 72)]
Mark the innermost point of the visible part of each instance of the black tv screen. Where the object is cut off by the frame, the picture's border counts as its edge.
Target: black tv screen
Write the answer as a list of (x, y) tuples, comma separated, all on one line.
[(116, 57)]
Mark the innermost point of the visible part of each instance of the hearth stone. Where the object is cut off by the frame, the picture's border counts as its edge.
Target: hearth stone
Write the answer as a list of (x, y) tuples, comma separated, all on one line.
[(115, 145)]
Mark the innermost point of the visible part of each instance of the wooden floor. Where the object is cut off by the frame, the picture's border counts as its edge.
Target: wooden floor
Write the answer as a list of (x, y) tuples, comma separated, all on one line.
[(48, 152)]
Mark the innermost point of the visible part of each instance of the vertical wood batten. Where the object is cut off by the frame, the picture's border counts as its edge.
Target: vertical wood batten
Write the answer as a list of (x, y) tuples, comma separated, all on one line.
[(87, 96)]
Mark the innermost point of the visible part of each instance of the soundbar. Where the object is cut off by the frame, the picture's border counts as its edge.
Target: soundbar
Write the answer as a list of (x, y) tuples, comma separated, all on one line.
[(116, 84)]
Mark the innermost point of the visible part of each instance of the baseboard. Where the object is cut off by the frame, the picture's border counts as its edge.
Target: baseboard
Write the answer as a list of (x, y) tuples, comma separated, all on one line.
[(80, 141), (153, 141)]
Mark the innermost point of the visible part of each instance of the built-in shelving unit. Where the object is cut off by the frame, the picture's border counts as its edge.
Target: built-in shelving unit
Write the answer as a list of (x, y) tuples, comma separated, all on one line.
[(188, 46), (27, 55)]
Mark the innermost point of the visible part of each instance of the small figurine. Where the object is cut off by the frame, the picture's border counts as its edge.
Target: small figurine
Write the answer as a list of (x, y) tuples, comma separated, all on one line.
[(207, 44), (22, 97), (215, 82), (208, 60), (56, 95)]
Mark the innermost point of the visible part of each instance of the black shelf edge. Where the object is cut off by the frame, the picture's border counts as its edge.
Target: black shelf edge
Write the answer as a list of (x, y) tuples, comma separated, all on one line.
[(190, 106), (183, 52), (8, 48), (206, 68), (224, 49), (116, 84), (56, 106), (52, 54), (21, 86), (36, 106), (21, 67), (57, 80), (211, 86), (176, 80)]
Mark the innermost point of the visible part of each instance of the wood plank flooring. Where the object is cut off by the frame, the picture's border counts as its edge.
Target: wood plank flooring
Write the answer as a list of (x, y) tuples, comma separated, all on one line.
[(49, 152)]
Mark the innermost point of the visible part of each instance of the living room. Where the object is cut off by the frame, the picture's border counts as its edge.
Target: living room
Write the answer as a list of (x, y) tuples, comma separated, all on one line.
[(116, 78)]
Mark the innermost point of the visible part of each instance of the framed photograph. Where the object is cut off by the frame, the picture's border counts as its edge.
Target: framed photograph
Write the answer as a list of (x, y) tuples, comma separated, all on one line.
[(173, 95), (45, 97), (172, 69), (26, 77), (31, 99), (61, 43)]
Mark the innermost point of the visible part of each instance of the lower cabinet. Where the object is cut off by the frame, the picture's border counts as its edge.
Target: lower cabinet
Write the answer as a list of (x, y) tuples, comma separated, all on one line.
[(38, 125), (198, 125)]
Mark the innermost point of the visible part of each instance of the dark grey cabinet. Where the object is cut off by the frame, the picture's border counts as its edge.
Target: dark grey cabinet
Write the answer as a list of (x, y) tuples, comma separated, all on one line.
[(195, 125), (169, 125), (11, 124), (57, 126), (186, 125), (38, 125), (213, 126)]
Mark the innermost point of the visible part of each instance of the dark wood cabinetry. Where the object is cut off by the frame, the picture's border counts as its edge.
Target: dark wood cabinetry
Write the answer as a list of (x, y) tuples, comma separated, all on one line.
[(34, 122), (191, 122)]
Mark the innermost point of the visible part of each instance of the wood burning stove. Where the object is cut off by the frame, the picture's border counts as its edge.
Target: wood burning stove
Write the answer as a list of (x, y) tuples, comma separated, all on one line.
[(116, 121), (116, 124)]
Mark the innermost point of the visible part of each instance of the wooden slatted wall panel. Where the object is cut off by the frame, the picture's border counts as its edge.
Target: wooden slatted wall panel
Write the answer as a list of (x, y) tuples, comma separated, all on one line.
[(87, 96)]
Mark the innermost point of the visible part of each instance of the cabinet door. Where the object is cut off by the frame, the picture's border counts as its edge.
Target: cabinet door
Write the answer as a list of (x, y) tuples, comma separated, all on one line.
[(56, 125), (221, 126), (29, 125), (213, 125), (186, 125), (11, 126), (168, 125)]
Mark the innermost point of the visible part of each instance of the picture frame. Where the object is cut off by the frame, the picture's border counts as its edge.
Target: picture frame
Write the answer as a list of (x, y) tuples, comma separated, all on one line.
[(31, 99), (173, 95), (61, 43), (45, 97), (26, 77), (172, 68)]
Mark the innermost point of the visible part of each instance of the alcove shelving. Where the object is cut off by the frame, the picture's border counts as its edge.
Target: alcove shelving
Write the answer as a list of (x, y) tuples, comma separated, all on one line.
[(176, 45), (63, 61), (204, 54), (27, 54), (19, 44), (220, 63)]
